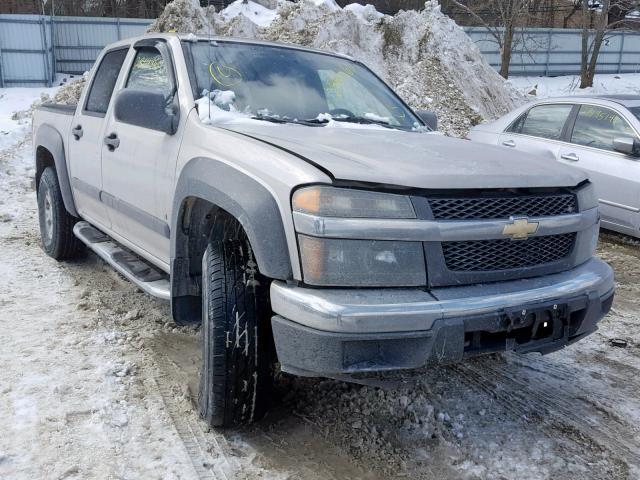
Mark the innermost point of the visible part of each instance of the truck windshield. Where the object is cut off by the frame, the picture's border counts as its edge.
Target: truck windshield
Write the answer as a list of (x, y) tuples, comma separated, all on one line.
[(283, 85)]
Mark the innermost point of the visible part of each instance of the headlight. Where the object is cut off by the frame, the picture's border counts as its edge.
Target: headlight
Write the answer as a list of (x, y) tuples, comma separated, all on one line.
[(361, 263), (587, 197), (343, 202)]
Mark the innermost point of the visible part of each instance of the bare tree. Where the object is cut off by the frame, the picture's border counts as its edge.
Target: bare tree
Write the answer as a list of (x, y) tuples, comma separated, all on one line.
[(502, 19), (599, 17)]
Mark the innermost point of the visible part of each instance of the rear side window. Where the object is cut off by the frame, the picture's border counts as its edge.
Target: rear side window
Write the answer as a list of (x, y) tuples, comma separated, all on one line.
[(149, 72), (597, 127), (104, 80), (544, 121)]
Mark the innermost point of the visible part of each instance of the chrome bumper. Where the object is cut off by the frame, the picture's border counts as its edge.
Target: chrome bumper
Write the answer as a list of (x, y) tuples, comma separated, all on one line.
[(411, 310)]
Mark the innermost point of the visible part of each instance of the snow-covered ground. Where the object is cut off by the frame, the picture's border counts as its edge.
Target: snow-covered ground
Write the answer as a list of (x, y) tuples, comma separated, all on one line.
[(97, 383), (546, 87), (12, 101)]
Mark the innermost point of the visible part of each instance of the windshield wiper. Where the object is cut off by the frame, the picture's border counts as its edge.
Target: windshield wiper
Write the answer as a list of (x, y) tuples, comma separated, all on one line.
[(359, 120), (281, 120)]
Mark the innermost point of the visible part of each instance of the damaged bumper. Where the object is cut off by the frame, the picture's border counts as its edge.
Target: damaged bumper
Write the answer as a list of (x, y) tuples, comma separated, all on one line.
[(325, 332)]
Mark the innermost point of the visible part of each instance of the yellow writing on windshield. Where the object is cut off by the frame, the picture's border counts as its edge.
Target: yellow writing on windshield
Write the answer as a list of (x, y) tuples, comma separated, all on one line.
[(152, 62), (333, 86), (224, 75)]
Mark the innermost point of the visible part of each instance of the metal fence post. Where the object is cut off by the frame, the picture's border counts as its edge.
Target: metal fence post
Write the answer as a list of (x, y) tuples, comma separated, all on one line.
[(53, 48), (118, 28), (1, 74), (549, 39), (620, 53), (45, 52)]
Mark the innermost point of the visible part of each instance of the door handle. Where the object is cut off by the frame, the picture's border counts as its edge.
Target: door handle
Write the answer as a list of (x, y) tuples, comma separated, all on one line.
[(77, 132), (572, 157), (112, 141), (509, 143)]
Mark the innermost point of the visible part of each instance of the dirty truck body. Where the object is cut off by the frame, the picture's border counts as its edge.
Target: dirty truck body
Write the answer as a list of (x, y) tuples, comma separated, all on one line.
[(334, 237)]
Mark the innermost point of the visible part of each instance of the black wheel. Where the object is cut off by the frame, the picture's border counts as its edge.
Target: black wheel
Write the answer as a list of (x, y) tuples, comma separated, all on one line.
[(237, 346), (56, 224)]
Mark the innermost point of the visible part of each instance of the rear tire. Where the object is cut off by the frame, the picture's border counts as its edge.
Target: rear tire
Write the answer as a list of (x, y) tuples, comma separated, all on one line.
[(56, 224), (237, 360)]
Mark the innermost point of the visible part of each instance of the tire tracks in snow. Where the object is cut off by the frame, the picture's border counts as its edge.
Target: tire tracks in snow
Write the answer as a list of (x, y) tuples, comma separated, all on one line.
[(541, 401), (207, 453)]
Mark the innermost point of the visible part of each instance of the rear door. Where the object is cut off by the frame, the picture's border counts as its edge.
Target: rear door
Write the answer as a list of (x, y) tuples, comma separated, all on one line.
[(540, 130), (616, 176), (85, 141), (139, 172)]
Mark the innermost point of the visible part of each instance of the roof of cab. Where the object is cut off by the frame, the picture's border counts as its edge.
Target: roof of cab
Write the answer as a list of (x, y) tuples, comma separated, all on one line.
[(215, 38)]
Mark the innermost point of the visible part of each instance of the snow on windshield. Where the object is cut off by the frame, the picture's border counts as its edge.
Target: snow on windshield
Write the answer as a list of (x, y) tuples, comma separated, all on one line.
[(217, 107), (289, 84)]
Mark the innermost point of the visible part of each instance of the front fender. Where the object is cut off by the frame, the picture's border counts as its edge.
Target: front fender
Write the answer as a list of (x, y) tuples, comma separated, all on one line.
[(245, 199), (48, 137)]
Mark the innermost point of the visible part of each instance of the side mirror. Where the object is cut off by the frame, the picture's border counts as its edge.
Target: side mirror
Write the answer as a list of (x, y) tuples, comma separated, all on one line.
[(147, 109), (430, 118), (627, 145)]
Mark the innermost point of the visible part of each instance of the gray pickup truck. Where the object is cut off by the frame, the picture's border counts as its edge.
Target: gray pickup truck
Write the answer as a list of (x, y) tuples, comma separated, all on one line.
[(293, 204)]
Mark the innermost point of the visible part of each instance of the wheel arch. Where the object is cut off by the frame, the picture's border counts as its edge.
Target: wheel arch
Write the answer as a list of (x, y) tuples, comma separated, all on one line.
[(206, 192), (49, 152)]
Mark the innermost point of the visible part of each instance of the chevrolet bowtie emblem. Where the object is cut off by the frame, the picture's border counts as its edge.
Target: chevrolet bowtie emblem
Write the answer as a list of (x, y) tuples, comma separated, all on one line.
[(520, 229)]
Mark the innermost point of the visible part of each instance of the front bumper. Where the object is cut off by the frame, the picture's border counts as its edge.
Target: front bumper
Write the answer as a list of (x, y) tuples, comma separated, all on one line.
[(325, 332)]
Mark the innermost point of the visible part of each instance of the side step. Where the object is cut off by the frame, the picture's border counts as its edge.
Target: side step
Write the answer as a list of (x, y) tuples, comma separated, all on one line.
[(147, 277)]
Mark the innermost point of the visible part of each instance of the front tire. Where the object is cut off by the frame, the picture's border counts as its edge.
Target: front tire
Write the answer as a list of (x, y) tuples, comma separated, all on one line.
[(56, 224), (237, 362)]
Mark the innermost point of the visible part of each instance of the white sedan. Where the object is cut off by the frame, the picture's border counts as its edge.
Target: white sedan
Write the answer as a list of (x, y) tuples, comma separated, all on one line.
[(599, 135)]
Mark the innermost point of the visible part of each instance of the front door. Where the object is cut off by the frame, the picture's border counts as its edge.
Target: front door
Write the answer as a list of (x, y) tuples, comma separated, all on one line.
[(85, 141), (615, 175), (139, 167), (538, 131)]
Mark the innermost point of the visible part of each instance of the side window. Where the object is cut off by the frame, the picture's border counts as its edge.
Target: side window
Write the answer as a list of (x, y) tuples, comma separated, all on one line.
[(516, 126), (104, 80), (546, 121), (149, 72), (598, 126)]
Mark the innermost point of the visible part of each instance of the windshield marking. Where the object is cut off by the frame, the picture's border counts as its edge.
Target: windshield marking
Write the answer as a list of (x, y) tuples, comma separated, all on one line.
[(268, 84), (226, 73)]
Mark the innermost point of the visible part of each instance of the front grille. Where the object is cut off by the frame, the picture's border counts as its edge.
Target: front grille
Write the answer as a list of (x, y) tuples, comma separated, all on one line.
[(472, 208), (505, 254)]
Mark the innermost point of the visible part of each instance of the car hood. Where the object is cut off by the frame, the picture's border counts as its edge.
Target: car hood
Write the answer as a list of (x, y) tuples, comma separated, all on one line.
[(417, 160)]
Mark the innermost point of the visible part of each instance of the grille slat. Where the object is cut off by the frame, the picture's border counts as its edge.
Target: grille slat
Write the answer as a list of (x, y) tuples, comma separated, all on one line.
[(505, 254), (475, 208)]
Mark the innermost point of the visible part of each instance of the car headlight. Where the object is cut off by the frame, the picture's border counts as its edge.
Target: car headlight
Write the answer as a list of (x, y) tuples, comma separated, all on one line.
[(361, 263), (587, 197), (327, 201), (358, 262)]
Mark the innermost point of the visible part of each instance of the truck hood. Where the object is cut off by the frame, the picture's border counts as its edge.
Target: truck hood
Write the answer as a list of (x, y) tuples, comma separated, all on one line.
[(417, 160)]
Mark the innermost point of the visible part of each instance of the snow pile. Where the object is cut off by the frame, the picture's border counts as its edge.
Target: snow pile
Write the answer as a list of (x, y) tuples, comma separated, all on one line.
[(255, 12), (184, 16), (70, 93), (424, 55)]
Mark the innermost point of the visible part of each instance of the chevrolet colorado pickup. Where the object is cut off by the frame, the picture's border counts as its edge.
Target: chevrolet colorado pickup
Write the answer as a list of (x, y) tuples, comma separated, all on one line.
[(292, 203)]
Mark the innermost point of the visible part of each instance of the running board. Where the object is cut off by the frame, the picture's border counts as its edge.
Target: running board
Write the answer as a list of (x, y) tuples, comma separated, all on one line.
[(147, 277)]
